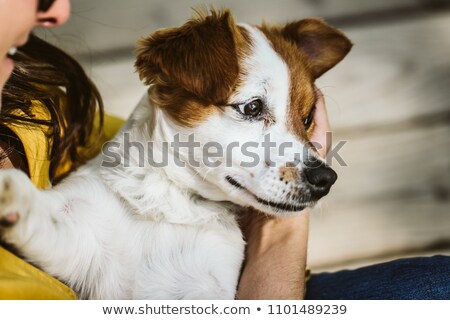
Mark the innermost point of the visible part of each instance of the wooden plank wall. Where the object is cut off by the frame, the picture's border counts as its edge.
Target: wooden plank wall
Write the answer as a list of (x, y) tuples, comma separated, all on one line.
[(104, 28), (390, 99)]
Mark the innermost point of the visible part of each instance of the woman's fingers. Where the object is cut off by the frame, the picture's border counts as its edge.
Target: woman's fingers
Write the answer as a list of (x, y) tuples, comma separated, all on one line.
[(321, 126)]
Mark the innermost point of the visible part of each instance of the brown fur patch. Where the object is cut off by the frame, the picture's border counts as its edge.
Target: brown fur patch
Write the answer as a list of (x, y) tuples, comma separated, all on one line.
[(324, 45), (185, 108), (302, 97), (193, 68), (288, 173), (309, 47)]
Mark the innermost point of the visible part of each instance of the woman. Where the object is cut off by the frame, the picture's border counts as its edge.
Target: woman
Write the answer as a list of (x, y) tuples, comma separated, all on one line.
[(17, 18), (50, 121)]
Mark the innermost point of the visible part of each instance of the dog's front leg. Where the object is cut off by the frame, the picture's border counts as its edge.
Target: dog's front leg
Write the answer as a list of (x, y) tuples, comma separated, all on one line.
[(30, 220), (17, 195), (69, 231)]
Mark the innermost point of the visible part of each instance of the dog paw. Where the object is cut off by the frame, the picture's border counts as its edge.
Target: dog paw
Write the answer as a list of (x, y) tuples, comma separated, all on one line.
[(16, 193)]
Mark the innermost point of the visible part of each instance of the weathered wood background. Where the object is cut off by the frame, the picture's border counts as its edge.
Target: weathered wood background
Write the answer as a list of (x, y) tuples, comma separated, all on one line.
[(390, 100)]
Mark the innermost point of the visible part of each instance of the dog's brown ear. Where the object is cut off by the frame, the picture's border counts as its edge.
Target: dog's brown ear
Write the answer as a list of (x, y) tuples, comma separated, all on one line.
[(324, 45), (200, 56)]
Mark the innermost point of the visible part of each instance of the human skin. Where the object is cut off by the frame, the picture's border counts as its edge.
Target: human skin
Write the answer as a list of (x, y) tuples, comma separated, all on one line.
[(276, 250), (17, 19)]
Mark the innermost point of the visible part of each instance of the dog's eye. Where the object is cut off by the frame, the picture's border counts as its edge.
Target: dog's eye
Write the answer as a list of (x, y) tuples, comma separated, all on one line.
[(309, 119), (252, 108)]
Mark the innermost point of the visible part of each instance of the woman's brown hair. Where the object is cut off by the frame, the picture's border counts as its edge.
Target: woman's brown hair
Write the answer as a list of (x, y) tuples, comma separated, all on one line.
[(46, 74)]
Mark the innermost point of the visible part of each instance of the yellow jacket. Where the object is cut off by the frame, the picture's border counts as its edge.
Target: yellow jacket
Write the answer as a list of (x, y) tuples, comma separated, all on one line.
[(19, 279)]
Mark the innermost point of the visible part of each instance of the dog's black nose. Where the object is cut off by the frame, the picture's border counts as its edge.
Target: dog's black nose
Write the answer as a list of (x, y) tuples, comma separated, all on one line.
[(321, 179)]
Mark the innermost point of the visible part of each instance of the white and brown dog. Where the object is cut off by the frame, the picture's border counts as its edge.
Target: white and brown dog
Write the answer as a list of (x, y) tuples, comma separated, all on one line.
[(139, 230)]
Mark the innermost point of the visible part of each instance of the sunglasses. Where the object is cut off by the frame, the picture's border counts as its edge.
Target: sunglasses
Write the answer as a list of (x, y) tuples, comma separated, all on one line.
[(45, 5)]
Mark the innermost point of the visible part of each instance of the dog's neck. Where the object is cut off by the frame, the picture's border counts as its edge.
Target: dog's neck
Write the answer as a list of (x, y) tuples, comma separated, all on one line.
[(165, 191)]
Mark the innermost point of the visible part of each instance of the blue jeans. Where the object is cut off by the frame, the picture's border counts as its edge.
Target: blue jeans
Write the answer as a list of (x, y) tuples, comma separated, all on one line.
[(403, 279)]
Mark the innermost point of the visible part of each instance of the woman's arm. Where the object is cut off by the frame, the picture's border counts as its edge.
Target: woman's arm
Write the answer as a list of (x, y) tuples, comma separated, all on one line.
[(277, 247), (275, 257)]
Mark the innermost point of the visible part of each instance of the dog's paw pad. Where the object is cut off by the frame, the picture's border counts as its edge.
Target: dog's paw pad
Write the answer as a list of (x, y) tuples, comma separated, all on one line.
[(15, 194), (9, 220)]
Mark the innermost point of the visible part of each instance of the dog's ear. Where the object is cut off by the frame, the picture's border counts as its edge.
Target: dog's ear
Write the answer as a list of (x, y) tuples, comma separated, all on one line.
[(324, 45), (200, 56)]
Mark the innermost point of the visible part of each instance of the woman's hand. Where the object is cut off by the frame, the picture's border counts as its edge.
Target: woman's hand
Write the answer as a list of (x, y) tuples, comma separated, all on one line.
[(277, 247), (322, 126)]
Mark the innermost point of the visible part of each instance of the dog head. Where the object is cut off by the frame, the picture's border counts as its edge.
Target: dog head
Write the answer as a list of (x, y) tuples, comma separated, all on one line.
[(246, 95)]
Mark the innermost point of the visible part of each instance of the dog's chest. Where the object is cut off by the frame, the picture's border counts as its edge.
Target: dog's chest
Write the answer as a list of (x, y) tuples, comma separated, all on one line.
[(191, 249), (188, 262)]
